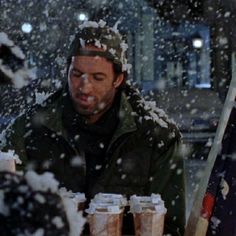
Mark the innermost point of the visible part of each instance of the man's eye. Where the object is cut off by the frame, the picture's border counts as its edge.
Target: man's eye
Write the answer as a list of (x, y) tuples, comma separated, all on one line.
[(76, 74), (98, 78)]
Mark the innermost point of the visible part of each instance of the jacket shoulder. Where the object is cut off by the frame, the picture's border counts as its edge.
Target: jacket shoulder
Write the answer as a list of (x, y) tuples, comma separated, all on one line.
[(151, 119)]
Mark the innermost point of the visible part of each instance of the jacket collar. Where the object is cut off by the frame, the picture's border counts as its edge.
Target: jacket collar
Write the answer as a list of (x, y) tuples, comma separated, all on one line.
[(54, 117)]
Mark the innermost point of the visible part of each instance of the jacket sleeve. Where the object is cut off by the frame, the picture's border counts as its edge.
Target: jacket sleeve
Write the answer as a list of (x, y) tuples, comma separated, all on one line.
[(167, 178), (13, 138)]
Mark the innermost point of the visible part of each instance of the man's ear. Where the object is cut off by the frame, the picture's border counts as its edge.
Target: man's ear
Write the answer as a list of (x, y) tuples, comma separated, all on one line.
[(119, 80)]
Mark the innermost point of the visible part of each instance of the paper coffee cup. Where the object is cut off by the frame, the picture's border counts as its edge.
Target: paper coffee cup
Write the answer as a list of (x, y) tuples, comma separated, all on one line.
[(8, 161), (105, 219), (149, 215), (148, 224)]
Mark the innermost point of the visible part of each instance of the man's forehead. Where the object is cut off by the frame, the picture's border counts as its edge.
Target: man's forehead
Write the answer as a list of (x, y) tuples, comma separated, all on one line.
[(85, 63), (89, 60)]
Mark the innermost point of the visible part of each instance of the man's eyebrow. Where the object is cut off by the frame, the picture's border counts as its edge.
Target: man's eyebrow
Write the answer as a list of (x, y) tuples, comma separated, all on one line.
[(99, 73), (76, 70), (95, 73)]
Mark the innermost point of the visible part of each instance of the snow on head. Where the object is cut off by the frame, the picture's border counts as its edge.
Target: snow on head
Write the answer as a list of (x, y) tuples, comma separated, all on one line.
[(112, 32)]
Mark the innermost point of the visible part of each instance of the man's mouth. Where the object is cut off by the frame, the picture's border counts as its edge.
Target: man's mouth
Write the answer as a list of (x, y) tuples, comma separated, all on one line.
[(84, 99)]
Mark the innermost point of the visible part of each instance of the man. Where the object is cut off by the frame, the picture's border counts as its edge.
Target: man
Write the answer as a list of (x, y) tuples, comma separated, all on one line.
[(98, 134)]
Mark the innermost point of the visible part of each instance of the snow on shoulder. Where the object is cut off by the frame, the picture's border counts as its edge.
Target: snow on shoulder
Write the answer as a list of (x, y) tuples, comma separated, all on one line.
[(152, 112)]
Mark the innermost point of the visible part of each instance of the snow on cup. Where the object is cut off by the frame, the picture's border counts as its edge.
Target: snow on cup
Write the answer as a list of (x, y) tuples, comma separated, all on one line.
[(8, 161), (149, 215), (78, 198), (105, 214), (110, 198)]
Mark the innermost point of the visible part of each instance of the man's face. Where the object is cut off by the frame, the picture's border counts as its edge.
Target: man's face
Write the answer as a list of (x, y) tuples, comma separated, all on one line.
[(92, 85)]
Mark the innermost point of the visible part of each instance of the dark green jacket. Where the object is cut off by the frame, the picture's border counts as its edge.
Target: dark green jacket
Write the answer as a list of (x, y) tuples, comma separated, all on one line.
[(143, 156)]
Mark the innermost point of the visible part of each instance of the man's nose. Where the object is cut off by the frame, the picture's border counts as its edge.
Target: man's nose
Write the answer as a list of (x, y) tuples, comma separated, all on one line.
[(85, 85)]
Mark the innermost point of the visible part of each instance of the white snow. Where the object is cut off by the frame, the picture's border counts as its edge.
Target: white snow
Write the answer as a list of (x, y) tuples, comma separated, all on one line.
[(154, 203), (5, 40), (43, 182), (77, 161), (41, 97), (40, 198), (82, 43), (21, 77), (75, 218), (58, 222), (18, 52), (115, 27), (215, 222), (97, 43), (10, 155), (118, 162), (38, 232), (86, 24), (110, 198), (98, 167), (224, 188), (155, 113), (102, 23)]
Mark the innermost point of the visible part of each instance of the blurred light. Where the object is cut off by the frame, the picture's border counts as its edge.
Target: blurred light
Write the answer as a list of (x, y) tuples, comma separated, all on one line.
[(197, 40), (82, 16), (203, 85), (26, 28), (197, 43)]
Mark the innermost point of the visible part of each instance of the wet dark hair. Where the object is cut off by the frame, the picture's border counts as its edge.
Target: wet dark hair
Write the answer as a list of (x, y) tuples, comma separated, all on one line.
[(109, 39)]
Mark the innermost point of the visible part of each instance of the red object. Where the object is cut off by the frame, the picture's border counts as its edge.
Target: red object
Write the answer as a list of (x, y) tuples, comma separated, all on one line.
[(207, 205)]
